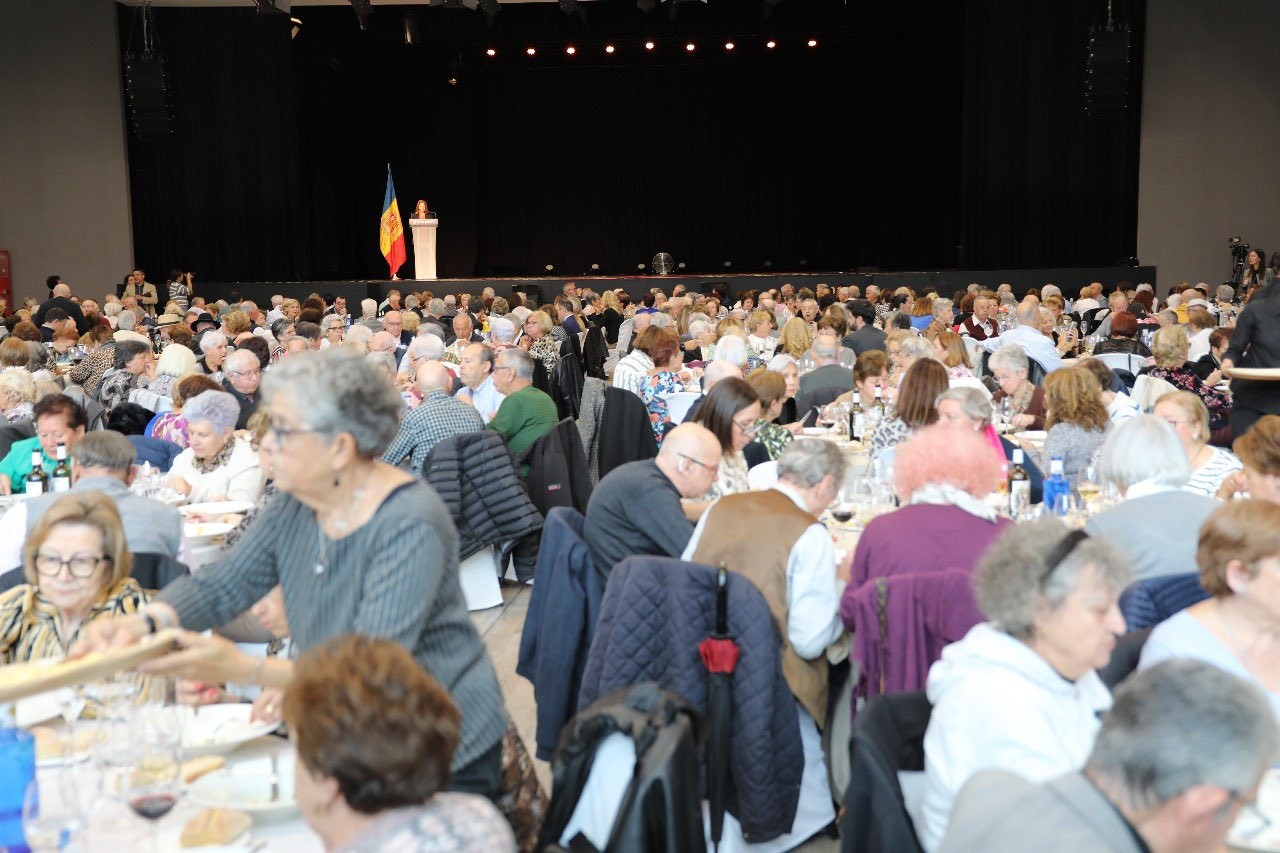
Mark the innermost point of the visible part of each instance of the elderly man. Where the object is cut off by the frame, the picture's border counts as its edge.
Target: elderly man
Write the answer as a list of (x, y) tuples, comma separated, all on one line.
[(828, 373), (865, 336), (296, 346), (101, 461), (388, 343), (242, 372), (526, 414), (422, 349), (475, 369), (618, 525), (1027, 335), (464, 334), (434, 319), (981, 324), (393, 325), (126, 323), (61, 298), (275, 312), (1116, 303), (1181, 752), (436, 418), (502, 334), (1088, 298), (774, 539)]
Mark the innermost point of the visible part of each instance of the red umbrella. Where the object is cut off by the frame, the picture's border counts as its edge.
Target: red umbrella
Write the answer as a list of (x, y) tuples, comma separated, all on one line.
[(720, 656)]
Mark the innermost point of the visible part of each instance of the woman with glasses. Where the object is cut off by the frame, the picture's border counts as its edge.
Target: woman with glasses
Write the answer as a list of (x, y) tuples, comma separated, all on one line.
[(1211, 467), (357, 546), (76, 565), (217, 465), (731, 410), (1019, 692)]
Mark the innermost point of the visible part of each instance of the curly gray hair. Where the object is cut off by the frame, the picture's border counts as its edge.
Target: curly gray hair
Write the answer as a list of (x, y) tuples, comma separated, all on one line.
[(335, 392), (1015, 574), (216, 408), (1009, 357)]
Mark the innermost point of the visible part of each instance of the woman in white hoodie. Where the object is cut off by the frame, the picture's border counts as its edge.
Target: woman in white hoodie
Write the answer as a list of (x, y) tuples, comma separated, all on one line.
[(1019, 692)]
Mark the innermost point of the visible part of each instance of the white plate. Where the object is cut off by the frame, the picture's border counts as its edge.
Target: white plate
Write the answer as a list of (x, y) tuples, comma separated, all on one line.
[(817, 431), (1034, 435), (246, 786), (206, 531), (214, 508), (218, 729)]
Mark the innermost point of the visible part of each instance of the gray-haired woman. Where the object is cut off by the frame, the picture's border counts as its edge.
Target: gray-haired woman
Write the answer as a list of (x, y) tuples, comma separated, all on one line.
[(133, 368), (357, 545), (1010, 367), (1019, 692), (216, 466)]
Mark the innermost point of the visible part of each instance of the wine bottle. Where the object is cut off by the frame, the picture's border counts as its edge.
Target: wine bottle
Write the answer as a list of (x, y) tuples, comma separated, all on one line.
[(1019, 485), (877, 408), (60, 480), (857, 419), (37, 482)]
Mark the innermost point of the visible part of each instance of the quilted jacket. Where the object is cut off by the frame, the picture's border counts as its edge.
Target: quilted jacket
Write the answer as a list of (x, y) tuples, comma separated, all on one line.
[(1149, 602), (654, 614), (475, 476)]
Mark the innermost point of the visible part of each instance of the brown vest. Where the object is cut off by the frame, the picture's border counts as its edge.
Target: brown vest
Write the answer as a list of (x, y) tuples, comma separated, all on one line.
[(752, 534)]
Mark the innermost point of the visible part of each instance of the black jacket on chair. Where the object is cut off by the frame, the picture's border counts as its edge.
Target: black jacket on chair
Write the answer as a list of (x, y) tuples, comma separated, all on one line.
[(625, 434), (475, 476), (558, 473), (888, 736), (566, 387), (594, 352)]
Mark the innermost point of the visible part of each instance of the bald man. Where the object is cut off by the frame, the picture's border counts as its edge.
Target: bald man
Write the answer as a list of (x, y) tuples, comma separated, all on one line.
[(716, 371), (436, 418), (636, 507), (1027, 335), (61, 298)]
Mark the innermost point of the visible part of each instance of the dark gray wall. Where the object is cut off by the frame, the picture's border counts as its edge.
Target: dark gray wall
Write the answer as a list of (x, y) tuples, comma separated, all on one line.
[(64, 184), (1210, 126)]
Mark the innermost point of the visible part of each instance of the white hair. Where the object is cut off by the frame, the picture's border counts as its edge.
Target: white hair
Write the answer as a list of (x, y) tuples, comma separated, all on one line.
[(502, 330), (733, 349), (211, 341), (1144, 448), (1009, 357), (127, 320), (430, 347), (368, 309), (360, 333), (112, 309), (276, 300)]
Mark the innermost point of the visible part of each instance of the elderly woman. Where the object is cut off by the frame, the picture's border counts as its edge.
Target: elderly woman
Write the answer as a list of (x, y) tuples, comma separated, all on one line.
[(943, 319), (794, 339), (1026, 406), (969, 410), (333, 328), (731, 410), (911, 348), (172, 425), (949, 349), (663, 380), (761, 325), (870, 371), (76, 565), (1120, 406), (1212, 468), (1235, 629), (217, 465), (213, 349), (134, 368), (1169, 349), (1019, 692), (942, 477), (174, 363), (771, 389), (1158, 522), (17, 395), (99, 359), (539, 343), (701, 345), (357, 546), (913, 408), (375, 735), (1076, 422), (58, 420), (282, 330)]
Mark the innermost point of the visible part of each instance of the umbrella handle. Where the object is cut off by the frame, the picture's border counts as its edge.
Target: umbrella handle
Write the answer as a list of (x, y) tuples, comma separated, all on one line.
[(722, 605)]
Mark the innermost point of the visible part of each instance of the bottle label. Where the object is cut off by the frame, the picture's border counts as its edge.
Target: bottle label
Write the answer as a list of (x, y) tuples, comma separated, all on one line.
[(61, 484), (35, 487), (1019, 497)]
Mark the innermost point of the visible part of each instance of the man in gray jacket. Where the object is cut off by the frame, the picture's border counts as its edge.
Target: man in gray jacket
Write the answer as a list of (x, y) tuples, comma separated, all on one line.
[(102, 461)]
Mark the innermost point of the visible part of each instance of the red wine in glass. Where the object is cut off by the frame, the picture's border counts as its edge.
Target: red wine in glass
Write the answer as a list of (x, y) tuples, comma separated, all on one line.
[(842, 514), (153, 806)]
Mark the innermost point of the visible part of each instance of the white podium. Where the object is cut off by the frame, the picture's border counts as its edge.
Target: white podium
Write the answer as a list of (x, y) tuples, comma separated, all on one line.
[(424, 247)]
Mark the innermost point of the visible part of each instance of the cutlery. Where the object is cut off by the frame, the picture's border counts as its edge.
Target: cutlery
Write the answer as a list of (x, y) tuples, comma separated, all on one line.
[(275, 775)]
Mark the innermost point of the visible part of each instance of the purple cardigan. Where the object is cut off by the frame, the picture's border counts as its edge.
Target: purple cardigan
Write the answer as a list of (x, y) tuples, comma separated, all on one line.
[(922, 538)]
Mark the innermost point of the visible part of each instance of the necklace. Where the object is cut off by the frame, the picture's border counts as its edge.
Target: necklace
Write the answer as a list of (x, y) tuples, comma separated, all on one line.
[(341, 525), (322, 551)]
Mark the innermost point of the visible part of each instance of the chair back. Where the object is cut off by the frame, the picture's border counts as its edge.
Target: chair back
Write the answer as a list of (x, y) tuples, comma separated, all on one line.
[(970, 382), (888, 739), (1147, 389), (1147, 603), (155, 571), (12, 433), (679, 403), (763, 476), (1124, 657), (1035, 372), (1122, 361), (150, 400)]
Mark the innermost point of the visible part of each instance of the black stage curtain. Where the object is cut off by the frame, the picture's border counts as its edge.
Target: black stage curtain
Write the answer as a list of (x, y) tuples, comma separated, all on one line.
[(910, 132)]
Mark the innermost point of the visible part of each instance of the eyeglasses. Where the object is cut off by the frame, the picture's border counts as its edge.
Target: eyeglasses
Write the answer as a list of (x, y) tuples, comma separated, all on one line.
[(712, 468), (80, 565), (751, 428), (283, 434)]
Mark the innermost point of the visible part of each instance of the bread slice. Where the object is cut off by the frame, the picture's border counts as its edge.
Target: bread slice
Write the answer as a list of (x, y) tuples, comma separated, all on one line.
[(194, 768), (215, 827)]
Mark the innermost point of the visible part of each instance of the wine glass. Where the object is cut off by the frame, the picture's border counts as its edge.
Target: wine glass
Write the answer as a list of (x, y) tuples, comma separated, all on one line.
[(154, 785), (1006, 412), (1089, 488), (49, 820), (843, 508)]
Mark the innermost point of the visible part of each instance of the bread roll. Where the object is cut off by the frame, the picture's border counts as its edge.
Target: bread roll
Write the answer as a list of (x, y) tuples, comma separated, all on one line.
[(215, 827), (197, 767)]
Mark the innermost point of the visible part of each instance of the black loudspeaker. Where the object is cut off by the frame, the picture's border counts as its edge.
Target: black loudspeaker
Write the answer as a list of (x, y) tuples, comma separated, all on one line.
[(147, 99), (1106, 87)]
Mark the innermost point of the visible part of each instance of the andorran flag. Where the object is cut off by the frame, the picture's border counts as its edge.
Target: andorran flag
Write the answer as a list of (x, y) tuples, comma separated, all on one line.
[(391, 234)]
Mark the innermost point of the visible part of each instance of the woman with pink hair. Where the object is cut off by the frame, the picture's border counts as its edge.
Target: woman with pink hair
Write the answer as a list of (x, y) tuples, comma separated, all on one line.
[(942, 477)]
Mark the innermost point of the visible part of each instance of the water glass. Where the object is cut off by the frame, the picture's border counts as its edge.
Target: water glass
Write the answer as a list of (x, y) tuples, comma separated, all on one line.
[(49, 821)]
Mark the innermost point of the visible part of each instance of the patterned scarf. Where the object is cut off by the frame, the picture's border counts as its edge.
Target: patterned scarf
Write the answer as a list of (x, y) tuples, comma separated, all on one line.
[(222, 457)]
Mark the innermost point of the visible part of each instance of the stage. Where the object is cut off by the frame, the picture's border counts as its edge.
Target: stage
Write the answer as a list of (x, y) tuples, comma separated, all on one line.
[(543, 290)]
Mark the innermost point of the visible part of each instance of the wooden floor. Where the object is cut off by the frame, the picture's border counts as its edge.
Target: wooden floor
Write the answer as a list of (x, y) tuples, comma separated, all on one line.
[(501, 627)]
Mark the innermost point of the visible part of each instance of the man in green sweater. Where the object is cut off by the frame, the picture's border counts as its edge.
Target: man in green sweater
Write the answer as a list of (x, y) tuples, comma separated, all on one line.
[(526, 414)]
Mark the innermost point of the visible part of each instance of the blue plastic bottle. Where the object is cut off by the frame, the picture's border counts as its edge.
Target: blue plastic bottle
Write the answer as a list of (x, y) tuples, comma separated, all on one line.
[(17, 770), (1056, 489)]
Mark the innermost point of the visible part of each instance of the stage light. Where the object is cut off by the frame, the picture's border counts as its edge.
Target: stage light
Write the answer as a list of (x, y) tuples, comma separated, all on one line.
[(608, 48), (571, 50), (531, 51), (728, 264), (813, 42), (295, 27), (690, 47), (648, 45), (363, 9), (771, 44), (409, 24), (549, 267), (728, 45)]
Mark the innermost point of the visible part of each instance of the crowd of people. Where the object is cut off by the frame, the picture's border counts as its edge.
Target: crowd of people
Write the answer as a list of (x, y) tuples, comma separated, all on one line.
[(322, 417)]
